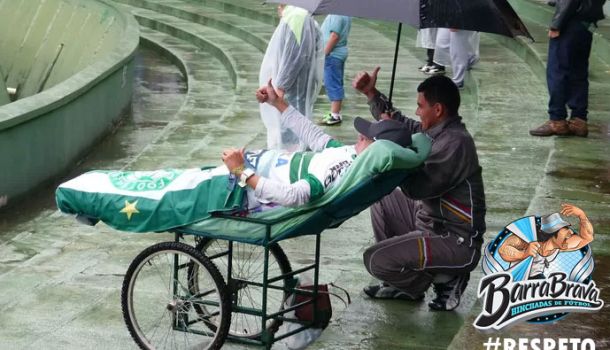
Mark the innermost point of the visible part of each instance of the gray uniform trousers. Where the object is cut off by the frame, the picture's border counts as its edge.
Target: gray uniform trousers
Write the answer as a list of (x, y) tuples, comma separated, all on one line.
[(407, 258), (459, 49)]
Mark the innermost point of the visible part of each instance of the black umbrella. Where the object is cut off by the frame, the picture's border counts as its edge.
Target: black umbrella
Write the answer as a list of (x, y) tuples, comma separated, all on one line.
[(489, 16)]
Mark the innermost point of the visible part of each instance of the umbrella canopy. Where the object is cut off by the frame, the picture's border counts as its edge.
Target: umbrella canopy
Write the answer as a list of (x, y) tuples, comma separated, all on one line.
[(489, 16)]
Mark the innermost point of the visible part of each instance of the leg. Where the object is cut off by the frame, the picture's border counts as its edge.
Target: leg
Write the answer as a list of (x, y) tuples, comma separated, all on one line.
[(557, 69), (411, 261), (430, 54), (393, 215), (475, 44), (461, 51), (396, 261), (557, 77), (579, 42), (335, 107), (441, 52), (426, 38), (441, 48), (333, 81)]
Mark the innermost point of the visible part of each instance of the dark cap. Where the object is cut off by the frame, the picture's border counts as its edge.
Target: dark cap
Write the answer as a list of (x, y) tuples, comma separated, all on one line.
[(386, 129)]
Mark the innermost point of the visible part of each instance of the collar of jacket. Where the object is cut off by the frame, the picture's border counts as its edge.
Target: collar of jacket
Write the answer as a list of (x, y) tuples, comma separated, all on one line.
[(436, 130)]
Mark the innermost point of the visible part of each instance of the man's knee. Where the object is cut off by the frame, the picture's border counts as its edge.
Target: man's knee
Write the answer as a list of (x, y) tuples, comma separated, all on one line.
[(378, 264), (367, 258), (374, 262)]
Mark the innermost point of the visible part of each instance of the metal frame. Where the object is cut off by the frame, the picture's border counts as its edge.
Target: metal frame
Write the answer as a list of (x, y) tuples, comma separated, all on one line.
[(267, 338)]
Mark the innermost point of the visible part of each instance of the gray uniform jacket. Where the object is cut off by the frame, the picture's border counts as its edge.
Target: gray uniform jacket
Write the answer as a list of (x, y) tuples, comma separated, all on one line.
[(449, 186)]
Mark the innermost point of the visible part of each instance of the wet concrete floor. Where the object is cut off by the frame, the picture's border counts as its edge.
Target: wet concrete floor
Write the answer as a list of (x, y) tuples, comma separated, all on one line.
[(60, 281), (54, 294)]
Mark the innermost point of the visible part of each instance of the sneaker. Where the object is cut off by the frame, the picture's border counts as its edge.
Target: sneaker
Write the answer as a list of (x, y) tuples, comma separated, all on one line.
[(385, 291), (551, 127), (448, 294), (330, 120), (578, 127), (460, 85), (436, 69), (426, 67)]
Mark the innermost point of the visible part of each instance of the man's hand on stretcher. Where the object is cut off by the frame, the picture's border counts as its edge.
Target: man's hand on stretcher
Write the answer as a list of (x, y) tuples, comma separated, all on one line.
[(234, 160)]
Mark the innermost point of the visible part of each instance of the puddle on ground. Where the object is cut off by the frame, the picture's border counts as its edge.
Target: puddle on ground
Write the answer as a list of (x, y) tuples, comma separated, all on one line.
[(598, 177)]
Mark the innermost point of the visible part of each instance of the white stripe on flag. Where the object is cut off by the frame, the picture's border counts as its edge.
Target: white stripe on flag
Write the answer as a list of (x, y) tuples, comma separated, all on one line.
[(99, 182)]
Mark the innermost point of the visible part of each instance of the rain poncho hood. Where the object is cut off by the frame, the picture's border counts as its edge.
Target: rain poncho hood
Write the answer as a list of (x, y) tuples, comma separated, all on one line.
[(294, 60)]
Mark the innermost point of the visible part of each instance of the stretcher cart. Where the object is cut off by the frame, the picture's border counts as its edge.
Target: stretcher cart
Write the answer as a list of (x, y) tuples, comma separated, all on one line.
[(232, 281)]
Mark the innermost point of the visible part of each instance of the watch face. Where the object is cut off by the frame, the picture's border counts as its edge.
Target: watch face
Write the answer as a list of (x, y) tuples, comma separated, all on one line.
[(245, 175)]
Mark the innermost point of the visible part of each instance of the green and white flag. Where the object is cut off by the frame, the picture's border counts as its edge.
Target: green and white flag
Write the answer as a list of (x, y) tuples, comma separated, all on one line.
[(143, 201)]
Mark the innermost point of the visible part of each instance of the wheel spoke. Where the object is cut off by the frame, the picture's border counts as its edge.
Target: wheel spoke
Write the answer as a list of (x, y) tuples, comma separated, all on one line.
[(248, 265), (180, 269)]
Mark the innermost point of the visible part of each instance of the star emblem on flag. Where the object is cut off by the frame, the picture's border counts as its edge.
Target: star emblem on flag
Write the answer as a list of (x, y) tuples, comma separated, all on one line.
[(130, 209)]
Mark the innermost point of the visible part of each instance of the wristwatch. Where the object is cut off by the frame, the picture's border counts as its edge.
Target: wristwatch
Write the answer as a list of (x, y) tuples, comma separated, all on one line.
[(245, 175)]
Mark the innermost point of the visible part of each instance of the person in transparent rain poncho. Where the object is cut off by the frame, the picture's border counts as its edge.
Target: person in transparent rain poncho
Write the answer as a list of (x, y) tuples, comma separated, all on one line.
[(294, 60)]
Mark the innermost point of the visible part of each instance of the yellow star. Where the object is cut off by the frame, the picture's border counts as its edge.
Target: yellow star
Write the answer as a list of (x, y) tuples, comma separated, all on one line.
[(130, 209)]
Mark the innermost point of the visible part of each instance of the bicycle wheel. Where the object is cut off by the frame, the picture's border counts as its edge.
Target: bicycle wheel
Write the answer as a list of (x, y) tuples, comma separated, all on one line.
[(159, 308), (248, 265)]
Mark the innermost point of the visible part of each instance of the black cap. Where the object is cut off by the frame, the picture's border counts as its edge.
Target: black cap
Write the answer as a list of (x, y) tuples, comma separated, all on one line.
[(387, 129)]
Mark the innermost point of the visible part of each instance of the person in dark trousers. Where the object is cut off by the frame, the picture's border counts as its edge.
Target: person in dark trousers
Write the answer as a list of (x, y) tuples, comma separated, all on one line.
[(567, 69), (430, 230)]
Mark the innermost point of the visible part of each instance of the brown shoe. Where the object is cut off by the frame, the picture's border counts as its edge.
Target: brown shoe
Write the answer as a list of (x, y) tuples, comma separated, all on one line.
[(578, 127), (551, 127)]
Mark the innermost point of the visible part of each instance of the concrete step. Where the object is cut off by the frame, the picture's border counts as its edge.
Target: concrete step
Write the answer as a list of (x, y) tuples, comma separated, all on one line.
[(256, 10), (209, 109), (575, 171), (251, 31)]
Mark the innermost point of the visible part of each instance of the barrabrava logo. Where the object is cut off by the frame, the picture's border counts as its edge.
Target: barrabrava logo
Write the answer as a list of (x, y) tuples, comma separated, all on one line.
[(538, 269)]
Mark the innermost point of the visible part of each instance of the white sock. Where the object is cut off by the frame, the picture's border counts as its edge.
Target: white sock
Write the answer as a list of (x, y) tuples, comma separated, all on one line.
[(336, 115)]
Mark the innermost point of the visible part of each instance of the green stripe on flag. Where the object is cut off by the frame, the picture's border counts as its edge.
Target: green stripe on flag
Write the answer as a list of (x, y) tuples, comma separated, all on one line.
[(133, 211)]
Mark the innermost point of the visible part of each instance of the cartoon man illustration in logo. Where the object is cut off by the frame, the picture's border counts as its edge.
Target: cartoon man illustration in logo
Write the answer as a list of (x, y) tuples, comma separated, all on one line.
[(554, 236), (538, 269)]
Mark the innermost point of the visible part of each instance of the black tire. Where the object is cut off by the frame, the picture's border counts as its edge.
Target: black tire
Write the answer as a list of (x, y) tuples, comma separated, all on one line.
[(156, 301), (248, 261)]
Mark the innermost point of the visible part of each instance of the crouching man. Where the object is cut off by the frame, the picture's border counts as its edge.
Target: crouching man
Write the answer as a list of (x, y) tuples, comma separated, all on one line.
[(429, 231)]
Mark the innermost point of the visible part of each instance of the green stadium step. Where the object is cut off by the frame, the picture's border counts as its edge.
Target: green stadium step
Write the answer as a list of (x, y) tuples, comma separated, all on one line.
[(253, 32), (208, 111)]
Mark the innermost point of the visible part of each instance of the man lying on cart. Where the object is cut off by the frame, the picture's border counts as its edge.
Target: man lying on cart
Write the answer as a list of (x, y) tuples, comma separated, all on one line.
[(144, 201)]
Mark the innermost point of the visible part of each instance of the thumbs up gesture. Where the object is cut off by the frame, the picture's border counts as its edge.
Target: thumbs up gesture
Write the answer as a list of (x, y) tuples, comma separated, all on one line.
[(268, 94), (365, 82)]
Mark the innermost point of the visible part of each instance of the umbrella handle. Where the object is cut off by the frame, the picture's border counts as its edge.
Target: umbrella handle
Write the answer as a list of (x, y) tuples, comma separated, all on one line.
[(395, 61)]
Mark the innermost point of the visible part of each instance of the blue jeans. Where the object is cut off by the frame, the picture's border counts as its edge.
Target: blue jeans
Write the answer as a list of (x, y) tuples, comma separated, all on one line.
[(333, 78), (567, 71)]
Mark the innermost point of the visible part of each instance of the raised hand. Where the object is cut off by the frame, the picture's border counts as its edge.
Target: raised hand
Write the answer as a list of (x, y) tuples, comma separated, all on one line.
[(365, 82), (571, 210), (269, 94), (261, 94)]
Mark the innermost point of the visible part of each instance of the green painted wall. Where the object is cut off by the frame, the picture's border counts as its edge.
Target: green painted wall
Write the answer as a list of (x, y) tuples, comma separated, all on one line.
[(87, 90), (4, 98), (43, 42)]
